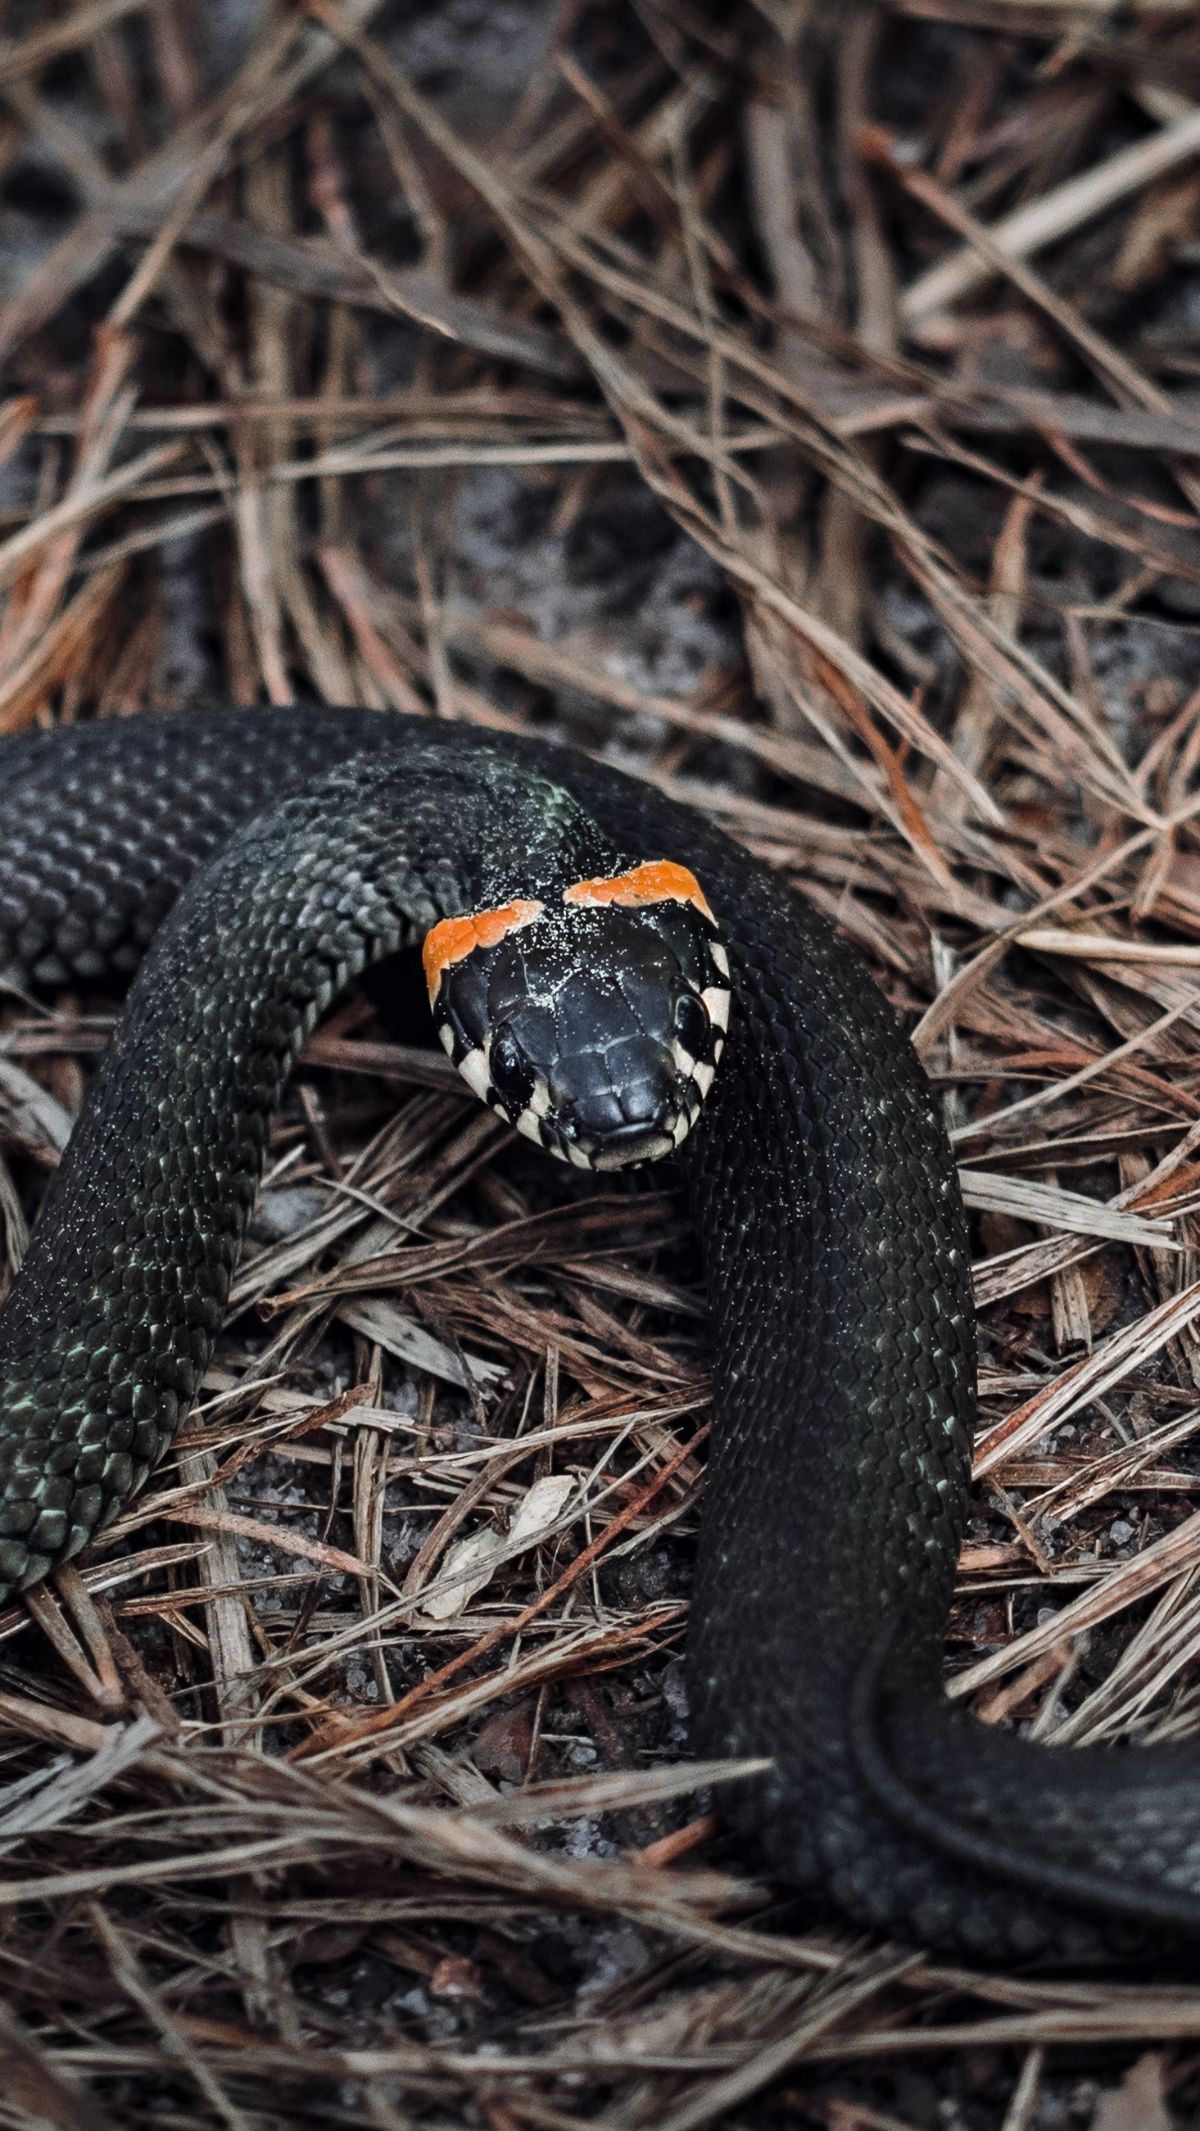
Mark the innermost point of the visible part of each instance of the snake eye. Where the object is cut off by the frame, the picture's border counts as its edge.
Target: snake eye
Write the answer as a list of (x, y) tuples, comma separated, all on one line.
[(512, 1074), (692, 1025)]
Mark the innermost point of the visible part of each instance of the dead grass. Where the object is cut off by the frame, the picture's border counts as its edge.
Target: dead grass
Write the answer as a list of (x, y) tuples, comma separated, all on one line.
[(888, 309)]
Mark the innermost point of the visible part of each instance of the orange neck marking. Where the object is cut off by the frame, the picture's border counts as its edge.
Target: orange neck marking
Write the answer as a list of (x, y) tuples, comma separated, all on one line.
[(453, 939), (659, 880)]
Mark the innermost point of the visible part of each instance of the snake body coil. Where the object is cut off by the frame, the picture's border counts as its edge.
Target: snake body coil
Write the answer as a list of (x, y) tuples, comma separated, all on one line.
[(834, 1247)]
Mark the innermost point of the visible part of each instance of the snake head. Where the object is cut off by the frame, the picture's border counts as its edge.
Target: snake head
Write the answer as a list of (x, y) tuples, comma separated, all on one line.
[(593, 1022)]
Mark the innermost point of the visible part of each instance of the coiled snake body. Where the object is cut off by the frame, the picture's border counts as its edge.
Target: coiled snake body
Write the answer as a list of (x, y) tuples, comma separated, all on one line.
[(835, 1260)]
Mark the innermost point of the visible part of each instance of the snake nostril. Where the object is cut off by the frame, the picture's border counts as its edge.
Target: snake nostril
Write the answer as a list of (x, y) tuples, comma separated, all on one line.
[(620, 1112)]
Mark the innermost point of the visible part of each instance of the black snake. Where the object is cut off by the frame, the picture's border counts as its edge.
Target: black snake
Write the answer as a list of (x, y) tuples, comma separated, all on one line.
[(827, 1207)]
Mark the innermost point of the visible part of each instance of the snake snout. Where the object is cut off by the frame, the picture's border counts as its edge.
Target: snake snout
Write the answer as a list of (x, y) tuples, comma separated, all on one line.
[(625, 1109)]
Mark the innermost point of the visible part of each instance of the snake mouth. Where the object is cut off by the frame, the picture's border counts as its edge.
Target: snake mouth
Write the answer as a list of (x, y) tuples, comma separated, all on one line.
[(623, 1150), (610, 1148)]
